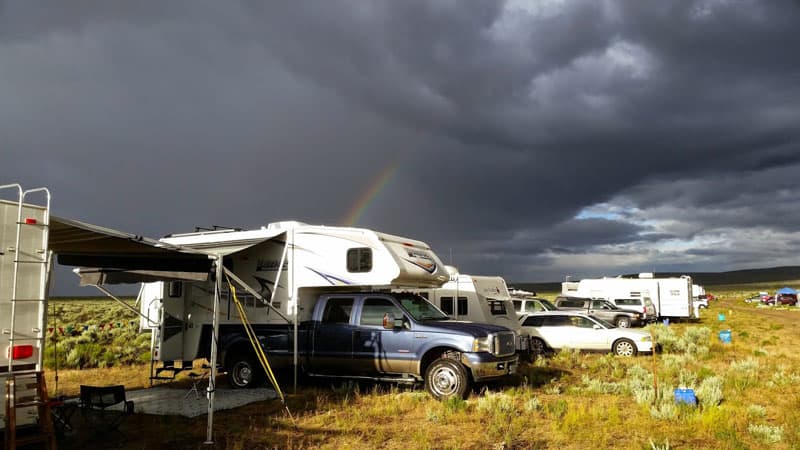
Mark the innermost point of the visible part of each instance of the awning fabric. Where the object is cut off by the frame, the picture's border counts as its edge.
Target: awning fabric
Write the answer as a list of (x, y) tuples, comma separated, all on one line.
[(786, 290), (109, 256)]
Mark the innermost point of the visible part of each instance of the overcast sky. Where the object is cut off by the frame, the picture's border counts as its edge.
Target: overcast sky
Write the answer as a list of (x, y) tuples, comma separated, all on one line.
[(532, 139)]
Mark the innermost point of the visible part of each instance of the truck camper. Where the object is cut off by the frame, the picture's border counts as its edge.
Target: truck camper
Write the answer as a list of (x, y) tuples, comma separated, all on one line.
[(474, 298), (295, 269)]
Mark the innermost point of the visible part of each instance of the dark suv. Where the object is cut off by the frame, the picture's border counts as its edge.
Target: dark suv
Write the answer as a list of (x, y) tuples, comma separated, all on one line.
[(602, 309)]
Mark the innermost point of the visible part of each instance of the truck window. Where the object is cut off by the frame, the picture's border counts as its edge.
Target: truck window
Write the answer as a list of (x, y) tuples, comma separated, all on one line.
[(337, 310), (497, 308), (375, 308), (462, 306), (359, 260), (517, 305)]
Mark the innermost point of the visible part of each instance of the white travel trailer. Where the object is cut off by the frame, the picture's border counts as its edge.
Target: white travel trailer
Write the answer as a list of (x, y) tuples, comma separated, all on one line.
[(672, 297), (24, 269), (288, 264), (477, 299)]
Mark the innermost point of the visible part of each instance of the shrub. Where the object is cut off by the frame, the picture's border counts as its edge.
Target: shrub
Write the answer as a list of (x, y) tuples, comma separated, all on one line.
[(766, 433), (709, 393), (558, 408), (756, 411)]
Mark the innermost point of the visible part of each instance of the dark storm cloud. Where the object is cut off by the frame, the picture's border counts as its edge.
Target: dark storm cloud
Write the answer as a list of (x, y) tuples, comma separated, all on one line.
[(504, 121)]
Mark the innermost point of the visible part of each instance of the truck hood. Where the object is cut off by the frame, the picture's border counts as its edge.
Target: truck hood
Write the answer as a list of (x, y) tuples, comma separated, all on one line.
[(472, 328)]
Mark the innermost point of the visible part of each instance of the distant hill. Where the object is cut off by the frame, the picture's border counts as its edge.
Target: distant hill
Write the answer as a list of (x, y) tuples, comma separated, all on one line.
[(767, 275)]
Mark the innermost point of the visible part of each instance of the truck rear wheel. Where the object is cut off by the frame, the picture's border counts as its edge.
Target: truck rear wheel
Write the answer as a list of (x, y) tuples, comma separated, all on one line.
[(243, 372), (447, 378)]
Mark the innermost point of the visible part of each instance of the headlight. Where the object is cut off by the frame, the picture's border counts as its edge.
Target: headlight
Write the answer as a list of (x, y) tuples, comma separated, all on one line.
[(484, 344)]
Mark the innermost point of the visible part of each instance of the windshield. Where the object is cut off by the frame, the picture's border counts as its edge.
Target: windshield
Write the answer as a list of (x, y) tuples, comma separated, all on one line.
[(419, 308)]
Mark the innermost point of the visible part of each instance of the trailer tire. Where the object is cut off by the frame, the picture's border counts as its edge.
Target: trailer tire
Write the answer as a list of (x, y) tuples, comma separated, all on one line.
[(446, 378), (623, 322), (243, 372)]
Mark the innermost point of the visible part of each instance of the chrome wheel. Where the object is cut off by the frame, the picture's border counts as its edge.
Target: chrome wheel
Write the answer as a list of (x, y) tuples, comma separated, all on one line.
[(446, 378)]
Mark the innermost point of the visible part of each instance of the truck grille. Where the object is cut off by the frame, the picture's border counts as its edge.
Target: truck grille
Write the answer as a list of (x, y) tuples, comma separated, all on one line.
[(505, 343)]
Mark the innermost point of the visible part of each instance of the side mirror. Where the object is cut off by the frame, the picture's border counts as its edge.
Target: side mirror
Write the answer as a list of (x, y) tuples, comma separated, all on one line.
[(596, 327), (399, 323)]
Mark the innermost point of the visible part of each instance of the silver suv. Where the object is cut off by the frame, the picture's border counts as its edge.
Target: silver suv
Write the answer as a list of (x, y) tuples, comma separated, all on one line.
[(602, 309)]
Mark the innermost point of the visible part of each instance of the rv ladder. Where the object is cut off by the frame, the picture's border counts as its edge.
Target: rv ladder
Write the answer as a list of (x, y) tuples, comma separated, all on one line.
[(37, 254)]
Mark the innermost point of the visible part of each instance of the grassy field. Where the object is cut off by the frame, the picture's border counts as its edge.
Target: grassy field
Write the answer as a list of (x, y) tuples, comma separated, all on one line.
[(749, 393)]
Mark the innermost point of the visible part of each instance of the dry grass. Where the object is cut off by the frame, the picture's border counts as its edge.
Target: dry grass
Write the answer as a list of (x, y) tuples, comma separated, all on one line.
[(749, 392)]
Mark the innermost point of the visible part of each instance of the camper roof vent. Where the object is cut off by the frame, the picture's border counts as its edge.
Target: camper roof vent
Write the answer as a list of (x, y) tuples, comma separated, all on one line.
[(646, 275), (285, 225)]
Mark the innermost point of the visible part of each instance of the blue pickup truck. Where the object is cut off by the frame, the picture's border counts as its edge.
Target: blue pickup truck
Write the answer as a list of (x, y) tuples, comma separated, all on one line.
[(384, 336)]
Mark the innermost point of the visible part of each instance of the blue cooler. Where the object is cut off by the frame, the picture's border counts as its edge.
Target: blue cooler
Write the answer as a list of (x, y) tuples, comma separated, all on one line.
[(725, 336), (685, 396)]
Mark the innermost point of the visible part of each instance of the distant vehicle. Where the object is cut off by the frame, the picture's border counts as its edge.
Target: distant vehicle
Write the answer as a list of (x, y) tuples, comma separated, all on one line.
[(640, 304), (602, 309), (532, 305), (786, 299), (554, 330), (672, 297)]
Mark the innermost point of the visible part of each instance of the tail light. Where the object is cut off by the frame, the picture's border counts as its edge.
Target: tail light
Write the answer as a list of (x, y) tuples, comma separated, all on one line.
[(20, 351)]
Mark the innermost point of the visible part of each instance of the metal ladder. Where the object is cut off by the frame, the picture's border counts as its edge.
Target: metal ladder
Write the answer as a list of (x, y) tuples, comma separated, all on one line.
[(38, 255)]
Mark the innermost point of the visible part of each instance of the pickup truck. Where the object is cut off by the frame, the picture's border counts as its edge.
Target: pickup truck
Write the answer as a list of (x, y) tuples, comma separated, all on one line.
[(602, 309), (384, 336)]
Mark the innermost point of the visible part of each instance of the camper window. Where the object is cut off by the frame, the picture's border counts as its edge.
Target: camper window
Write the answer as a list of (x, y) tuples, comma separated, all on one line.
[(359, 260), (497, 308), (337, 310), (375, 309), (175, 289), (447, 305), (462, 306)]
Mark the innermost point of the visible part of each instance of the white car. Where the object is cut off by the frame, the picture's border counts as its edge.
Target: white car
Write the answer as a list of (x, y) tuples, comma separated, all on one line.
[(554, 330)]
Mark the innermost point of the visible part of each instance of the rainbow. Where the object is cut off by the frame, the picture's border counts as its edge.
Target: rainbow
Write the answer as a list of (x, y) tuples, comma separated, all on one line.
[(366, 199)]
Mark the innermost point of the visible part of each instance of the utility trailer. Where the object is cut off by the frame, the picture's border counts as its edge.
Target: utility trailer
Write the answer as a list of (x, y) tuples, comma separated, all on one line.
[(24, 276), (289, 265), (672, 297)]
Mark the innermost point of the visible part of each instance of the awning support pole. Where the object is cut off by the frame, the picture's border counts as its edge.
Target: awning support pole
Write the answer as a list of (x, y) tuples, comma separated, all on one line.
[(112, 297), (212, 383)]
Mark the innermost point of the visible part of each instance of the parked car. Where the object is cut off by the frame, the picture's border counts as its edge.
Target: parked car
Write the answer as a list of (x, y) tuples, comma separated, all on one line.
[(640, 304), (786, 299), (532, 305), (602, 309), (554, 330)]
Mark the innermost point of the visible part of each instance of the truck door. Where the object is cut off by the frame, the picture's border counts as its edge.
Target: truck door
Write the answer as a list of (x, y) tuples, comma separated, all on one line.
[(333, 337), (377, 350)]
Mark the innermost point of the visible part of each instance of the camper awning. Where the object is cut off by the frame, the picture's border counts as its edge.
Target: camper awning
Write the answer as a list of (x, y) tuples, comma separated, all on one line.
[(109, 256)]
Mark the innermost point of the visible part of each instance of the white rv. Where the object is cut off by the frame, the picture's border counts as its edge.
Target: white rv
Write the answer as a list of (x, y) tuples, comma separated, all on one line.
[(671, 297), (24, 268), (289, 264), (475, 298)]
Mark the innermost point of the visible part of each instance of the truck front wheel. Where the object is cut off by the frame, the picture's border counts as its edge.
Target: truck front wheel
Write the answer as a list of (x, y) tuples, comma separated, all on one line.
[(243, 372), (447, 378)]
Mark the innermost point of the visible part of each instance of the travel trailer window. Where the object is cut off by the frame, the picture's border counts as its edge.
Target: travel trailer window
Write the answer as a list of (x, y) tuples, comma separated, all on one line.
[(375, 309), (636, 294), (462, 306), (337, 310), (359, 260), (497, 307), (175, 289)]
